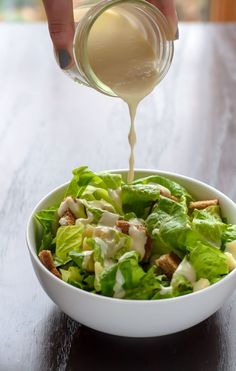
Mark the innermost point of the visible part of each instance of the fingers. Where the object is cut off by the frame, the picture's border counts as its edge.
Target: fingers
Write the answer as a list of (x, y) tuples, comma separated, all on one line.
[(61, 25), (168, 8), (61, 28)]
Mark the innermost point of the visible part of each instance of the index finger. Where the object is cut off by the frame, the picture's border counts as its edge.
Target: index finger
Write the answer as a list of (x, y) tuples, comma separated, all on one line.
[(61, 28)]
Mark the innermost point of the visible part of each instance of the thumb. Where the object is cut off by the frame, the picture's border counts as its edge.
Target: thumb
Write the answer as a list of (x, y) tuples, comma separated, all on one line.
[(168, 8), (61, 28)]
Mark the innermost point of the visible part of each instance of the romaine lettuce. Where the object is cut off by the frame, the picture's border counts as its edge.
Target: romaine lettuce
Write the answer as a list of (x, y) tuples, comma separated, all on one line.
[(148, 286), (68, 238), (139, 198), (229, 234), (48, 219), (207, 226), (88, 185), (83, 259), (176, 189), (128, 280), (168, 225), (181, 285), (123, 275), (208, 262), (79, 279)]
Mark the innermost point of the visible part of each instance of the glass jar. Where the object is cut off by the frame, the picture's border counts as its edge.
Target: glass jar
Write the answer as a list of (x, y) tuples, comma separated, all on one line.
[(150, 21)]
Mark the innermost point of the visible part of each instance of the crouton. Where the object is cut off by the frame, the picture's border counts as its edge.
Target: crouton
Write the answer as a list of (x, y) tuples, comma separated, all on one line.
[(168, 263), (67, 218), (45, 257), (203, 204), (123, 225), (164, 193)]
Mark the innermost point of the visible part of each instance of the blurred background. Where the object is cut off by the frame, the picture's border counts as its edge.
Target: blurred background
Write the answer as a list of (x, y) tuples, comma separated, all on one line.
[(188, 10)]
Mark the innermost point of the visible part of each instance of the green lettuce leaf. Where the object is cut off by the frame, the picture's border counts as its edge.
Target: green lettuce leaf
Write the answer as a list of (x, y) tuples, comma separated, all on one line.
[(148, 285), (112, 244), (172, 229), (229, 234), (98, 247), (208, 262), (112, 181), (106, 280), (90, 186), (130, 269), (75, 277), (84, 259), (181, 285), (71, 274), (48, 219), (82, 176), (160, 294), (168, 225), (68, 238), (207, 226), (97, 208), (121, 276), (129, 216), (139, 198), (127, 279), (176, 189)]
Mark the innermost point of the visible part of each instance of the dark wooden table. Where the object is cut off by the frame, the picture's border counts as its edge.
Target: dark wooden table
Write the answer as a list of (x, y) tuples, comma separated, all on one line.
[(48, 126)]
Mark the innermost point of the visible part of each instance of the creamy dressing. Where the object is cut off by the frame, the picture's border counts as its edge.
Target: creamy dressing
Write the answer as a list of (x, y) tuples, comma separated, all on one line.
[(63, 221), (100, 204), (108, 219), (231, 262), (135, 221), (186, 269), (132, 140), (108, 236), (98, 269), (124, 60), (86, 259), (166, 290), (114, 247), (139, 240), (231, 248), (201, 284), (103, 245), (115, 194), (74, 205), (85, 221), (119, 292)]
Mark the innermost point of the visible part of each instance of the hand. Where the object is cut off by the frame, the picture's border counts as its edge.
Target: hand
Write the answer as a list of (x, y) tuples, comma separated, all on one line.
[(168, 8), (61, 25)]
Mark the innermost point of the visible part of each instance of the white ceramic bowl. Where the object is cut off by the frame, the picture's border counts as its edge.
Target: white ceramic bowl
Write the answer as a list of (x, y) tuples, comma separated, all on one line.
[(133, 317)]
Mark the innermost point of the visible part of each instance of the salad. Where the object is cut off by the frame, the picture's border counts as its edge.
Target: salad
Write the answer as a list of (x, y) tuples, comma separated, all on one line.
[(145, 240)]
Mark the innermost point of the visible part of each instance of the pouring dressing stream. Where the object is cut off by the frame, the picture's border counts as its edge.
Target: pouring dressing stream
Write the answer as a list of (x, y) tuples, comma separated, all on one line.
[(121, 48), (124, 60)]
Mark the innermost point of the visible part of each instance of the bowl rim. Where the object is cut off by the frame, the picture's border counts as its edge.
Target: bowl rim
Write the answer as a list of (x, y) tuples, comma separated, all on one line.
[(96, 296)]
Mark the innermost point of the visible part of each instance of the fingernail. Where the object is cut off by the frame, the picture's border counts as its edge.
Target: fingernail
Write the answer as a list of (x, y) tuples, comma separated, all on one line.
[(177, 34), (64, 58)]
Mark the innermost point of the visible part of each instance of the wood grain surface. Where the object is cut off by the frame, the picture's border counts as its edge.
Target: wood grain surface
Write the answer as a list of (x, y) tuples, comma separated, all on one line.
[(48, 126), (223, 11)]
